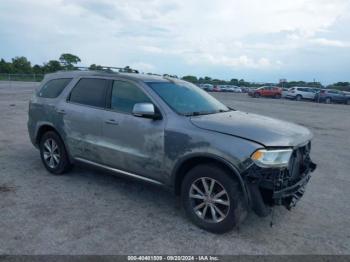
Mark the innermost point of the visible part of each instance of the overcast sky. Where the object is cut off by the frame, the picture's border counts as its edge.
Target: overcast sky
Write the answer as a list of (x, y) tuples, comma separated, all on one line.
[(258, 40)]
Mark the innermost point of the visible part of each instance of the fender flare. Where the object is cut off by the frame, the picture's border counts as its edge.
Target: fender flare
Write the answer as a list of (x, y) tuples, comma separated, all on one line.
[(234, 170)]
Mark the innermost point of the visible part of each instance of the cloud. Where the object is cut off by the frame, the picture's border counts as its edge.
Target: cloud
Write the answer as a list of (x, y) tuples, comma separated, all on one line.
[(143, 67), (232, 62), (330, 42), (244, 36)]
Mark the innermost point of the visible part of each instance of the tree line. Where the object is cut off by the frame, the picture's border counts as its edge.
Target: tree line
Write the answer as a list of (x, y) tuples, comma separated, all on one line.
[(66, 61), (21, 65)]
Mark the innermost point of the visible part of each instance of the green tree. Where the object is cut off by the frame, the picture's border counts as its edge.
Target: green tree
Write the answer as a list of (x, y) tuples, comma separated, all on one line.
[(52, 66), (21, 65), (95, 67), (68, 61), (189, 78), (234, 82), (207, 80), (37, 69), (5, 67)]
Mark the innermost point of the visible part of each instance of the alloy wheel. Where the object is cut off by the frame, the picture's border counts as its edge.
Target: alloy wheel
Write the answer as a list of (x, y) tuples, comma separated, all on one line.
[(209, 200), (51, 153)]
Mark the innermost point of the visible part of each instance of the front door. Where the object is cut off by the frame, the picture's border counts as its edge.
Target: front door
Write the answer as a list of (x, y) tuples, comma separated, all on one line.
[(130, 143)]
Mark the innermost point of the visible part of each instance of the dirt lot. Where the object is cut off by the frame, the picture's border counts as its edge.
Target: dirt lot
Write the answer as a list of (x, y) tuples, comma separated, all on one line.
[(90, 212)]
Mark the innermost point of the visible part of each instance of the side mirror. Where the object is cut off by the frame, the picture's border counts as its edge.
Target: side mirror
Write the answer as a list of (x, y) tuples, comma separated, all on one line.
[(146, 110)]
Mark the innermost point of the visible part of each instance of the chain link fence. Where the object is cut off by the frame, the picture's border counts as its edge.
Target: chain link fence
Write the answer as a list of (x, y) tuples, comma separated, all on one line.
[(22, 77)]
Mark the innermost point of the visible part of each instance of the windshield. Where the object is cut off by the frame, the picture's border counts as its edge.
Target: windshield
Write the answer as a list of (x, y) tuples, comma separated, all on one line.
[(187, 99)]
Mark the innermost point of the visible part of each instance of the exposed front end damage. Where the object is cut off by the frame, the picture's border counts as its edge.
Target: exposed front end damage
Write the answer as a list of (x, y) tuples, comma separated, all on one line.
[(279, 186)]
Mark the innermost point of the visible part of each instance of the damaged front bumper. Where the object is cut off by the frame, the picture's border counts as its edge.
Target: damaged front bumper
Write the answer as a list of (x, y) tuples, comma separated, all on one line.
[(284, 186)]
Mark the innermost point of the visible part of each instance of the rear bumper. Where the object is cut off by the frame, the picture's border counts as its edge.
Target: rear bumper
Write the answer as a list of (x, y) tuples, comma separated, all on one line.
[(271, 187)]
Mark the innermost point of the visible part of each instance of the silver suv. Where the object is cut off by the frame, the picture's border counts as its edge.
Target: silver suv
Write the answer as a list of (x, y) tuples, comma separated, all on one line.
[(299, 93), (220, 161)]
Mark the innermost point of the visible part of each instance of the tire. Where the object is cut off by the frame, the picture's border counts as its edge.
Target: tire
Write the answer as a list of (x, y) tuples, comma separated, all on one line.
[(278, 96), (347, 102), (298, 97), (256, 95), (57, 162), (231, 204), (328, 100)]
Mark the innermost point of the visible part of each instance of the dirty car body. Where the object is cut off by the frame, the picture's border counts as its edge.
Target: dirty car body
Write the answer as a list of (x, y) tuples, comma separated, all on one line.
[(166, 145)]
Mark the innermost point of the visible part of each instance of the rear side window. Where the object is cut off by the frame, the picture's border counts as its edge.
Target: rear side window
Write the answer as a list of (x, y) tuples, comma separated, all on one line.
[(125, 95), (54, 88), (90, 91)]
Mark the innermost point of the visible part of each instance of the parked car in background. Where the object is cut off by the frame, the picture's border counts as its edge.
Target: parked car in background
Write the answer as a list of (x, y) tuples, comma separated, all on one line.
[(245, 89), (299, 93), (329, 96), (266, 91), (207, 87), (284, 92), (224, 88), (216, 88), (347, 93), (237, 89)]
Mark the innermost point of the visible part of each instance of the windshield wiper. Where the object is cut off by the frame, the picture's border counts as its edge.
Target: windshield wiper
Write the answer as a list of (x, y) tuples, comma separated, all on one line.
[(200, 113)]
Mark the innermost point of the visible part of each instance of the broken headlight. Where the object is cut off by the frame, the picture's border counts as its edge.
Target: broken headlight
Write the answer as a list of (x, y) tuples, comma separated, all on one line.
[(272, 158)]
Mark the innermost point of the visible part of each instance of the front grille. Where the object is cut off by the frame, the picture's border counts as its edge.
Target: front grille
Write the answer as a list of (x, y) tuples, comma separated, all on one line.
[(299, 162)]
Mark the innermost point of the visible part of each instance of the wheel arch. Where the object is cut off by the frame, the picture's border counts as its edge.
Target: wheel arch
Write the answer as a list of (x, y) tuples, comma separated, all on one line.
[(46, 127), (42, 129), (184, 165)]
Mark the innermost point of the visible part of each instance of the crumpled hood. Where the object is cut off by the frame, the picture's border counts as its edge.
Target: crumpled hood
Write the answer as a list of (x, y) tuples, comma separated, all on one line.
[(264, 130)]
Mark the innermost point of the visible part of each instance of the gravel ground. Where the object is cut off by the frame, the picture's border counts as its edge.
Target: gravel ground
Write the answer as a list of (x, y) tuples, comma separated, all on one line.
[(91, 212)]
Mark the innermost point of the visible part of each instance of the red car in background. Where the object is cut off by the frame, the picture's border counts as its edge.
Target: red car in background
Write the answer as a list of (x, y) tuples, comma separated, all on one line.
[(266, 91)]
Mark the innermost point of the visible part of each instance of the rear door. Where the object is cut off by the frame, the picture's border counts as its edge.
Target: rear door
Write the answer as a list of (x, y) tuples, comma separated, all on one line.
[(130, 143), (82, 117), (269, 91)]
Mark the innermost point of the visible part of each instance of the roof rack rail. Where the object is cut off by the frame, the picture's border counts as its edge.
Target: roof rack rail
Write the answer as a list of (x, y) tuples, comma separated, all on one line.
[(109, 69)]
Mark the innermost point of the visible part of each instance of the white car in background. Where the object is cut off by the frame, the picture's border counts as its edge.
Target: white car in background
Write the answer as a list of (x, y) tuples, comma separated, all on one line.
[(234, 89), (237, 89), (284, 92), (299, 93)]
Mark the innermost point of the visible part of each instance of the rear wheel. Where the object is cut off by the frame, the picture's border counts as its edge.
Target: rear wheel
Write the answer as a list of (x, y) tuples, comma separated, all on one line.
[(277, 96), (298, 97), (213, 199), (328, 100), (53, 153), (348, 102), (256, 95)]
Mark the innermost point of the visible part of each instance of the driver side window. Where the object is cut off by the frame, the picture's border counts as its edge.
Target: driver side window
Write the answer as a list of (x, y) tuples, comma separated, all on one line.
[(125, 95)]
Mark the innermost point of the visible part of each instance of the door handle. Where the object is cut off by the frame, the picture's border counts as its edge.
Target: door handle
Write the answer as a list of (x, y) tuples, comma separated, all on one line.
[(111, 122), (61, 111)]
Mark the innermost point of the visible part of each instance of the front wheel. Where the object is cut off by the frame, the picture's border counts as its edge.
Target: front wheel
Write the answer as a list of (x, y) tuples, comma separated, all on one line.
[(256, 95), (53, 153), (328, 100), (298, 97), (213, 199)]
